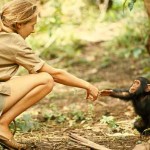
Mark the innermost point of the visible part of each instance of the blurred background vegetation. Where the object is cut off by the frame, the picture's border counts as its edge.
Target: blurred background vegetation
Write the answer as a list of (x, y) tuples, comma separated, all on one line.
[(65, 28)]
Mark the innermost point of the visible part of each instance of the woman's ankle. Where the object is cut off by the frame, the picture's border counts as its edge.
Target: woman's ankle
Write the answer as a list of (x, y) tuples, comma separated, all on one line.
[(4, 123), (5, 132), (4, 129)]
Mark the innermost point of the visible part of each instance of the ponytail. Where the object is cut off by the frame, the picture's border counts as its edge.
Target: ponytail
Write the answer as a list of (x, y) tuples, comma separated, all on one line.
[(17, 11), (2, 26)]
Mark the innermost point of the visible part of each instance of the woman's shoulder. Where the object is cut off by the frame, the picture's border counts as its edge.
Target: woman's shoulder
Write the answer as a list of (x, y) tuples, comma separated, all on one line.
[(12, 36), (13, 40)]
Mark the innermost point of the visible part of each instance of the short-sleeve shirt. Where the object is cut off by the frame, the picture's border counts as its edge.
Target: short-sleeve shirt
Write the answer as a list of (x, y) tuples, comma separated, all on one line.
[(14, 52)]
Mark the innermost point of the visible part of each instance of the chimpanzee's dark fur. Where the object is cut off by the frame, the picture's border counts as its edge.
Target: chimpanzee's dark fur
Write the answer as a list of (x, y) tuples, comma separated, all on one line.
[(141, 103)]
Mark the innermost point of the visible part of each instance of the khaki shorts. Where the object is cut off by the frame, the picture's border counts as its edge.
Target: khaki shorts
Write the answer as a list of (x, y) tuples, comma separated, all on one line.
[(2, 103)]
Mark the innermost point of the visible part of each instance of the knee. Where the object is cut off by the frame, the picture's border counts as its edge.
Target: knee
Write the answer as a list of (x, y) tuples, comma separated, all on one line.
[(47, 80)]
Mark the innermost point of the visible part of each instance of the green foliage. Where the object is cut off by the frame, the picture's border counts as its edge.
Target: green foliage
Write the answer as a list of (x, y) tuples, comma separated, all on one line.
[(60, 50), (105, 62), (54, 114), (78, 115), (131, 42), (57, 36), (116, 12), (146, 69), (72, 116), (110, 121), (26, 123), (119, 10), (130, 4), (90, 113)]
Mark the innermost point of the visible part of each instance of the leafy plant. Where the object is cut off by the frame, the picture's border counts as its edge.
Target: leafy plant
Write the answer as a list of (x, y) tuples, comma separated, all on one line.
[(110, 121), (26, 123), (130, 4), (58, 117), (78, 115), (131, 43), (54, 114), (61, 118)]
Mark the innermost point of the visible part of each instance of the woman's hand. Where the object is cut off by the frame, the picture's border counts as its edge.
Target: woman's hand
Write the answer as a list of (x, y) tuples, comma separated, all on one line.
[(92, 92)]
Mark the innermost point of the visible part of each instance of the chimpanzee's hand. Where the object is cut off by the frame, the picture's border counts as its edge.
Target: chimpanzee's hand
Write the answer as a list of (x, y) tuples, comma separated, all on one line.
[(105, 92), (92, 93)]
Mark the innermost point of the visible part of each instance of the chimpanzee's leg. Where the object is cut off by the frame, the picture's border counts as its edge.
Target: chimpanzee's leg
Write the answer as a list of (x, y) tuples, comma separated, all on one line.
[(147, 130), (140, 124)]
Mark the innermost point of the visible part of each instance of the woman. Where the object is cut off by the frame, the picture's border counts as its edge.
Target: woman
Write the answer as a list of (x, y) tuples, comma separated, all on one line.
[(17, 21)]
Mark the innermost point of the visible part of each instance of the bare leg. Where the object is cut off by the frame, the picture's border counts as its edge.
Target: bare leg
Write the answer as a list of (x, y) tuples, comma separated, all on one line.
[(32, 91)]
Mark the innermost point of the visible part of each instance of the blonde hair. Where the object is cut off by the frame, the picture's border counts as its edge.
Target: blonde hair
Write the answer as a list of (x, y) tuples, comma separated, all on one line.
[(17, 11)]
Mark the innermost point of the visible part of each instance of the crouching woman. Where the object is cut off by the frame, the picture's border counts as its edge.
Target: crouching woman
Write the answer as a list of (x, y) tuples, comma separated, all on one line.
[(17, 21)]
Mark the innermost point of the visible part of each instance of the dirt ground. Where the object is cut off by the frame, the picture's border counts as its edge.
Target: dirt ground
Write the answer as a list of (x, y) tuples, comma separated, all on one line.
[(54, 136)]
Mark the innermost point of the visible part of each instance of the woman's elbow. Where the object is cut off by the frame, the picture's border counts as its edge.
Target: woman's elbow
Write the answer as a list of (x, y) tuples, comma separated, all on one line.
[(58, 75)]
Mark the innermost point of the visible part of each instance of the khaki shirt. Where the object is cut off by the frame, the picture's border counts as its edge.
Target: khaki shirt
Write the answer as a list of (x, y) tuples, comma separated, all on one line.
[(13, 53)]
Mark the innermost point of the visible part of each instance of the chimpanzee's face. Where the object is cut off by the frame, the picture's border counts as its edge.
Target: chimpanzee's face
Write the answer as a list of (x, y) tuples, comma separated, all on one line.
[(135, 86)]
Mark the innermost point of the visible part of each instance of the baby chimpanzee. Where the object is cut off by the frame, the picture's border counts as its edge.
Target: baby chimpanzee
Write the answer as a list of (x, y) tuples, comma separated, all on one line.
[(139, 94)]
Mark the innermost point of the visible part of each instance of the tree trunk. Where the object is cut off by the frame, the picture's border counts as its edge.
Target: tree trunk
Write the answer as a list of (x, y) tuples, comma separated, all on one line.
[(147, 6)]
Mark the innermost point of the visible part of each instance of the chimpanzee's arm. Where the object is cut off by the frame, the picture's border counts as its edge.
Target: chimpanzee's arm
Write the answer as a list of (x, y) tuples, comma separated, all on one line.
[(121, 94)]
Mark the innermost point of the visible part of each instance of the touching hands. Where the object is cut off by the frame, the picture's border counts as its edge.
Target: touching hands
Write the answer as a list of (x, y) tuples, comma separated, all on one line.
[(93, 93), (105, 92)]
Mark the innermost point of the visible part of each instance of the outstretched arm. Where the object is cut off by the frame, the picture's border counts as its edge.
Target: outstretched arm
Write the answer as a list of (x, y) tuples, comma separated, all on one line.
[(64, 77), (117, 93)]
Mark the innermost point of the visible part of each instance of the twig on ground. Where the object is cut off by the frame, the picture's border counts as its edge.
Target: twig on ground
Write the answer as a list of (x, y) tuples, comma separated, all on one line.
[(86, 142)]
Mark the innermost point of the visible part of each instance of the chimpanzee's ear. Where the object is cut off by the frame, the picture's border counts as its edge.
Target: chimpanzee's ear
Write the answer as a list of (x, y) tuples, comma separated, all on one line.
[(148, 88)]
